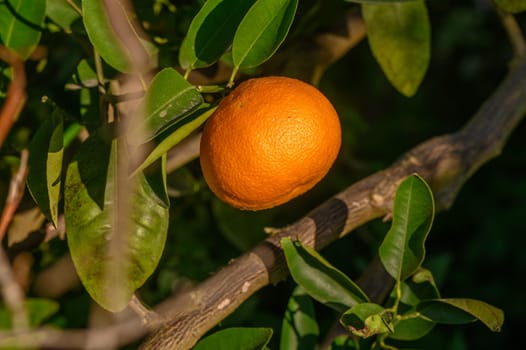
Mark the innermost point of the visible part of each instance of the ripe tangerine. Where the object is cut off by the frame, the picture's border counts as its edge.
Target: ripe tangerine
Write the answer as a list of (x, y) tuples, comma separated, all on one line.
[(270, 140)]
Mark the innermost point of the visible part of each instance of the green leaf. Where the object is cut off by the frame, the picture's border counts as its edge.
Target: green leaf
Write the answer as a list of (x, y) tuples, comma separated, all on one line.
[(412, 328), (62, 13), (111, 264), (121, 48), (399, 35), (511, 6), (21, 25), (319, 278), (211, 32), (38, 310), (402, 250), (421, 286), (262, 31), (170, 138), (168, 99), (366, 319), (45, 165), (299, 329), (459, 311), (236, 338)]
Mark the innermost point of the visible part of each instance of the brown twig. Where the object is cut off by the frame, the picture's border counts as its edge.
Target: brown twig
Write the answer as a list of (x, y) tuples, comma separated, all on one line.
[(12, 294), (16, 92), (15, 194)]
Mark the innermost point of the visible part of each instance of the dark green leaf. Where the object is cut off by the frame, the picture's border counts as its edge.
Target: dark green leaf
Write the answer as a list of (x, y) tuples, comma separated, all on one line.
[(62, 13), (211, 32), (168, 99), (459, 311), (366, 319), (21, 24), (111, 264), (121, 48), (45, 164), (412, 328), (402, 250), (299, 329), (236, 338), (319, 278), (262, 31), (399, 35), (512, 6)]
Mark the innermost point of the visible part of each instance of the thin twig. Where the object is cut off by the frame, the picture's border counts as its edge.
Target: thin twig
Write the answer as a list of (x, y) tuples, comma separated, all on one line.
[(12, 294), (16, 92), (515, 34), (15, 194)]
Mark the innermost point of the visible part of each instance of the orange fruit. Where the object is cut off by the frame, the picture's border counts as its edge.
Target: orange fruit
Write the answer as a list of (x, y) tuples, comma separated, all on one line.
[(270, 140)]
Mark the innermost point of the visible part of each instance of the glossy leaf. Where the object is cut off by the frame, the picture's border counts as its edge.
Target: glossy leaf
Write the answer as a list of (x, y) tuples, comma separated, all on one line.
[(399, 35), (319, 278), (236, 338), (366, 319), (38, 310), (45, 166), (511, 6), (137, 55), (262, 31), (402, 250), (460, 311), (92, 218), (21, 25), (62, 13), (168, 99), (211, 32), (182, 129), (299, 329)]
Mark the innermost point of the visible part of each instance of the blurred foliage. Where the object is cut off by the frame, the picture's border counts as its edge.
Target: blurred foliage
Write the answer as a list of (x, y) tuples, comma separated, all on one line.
[(475, 248)]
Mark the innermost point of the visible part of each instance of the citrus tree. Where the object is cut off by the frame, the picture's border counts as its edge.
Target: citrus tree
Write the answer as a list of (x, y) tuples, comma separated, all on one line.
[(116, 237)]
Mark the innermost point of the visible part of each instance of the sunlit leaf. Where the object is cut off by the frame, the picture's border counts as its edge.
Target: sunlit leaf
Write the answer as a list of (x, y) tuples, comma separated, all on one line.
[(366, 319), (21, 25), (169, 138), (262, 31), (121, 48), (512, 6), (399, 35), (319, 278), (62, 13), (299, 329), (168, 99), (460, 311), (92, 220), (211, 32), (45, 165), (402, 250), (236, 338)]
